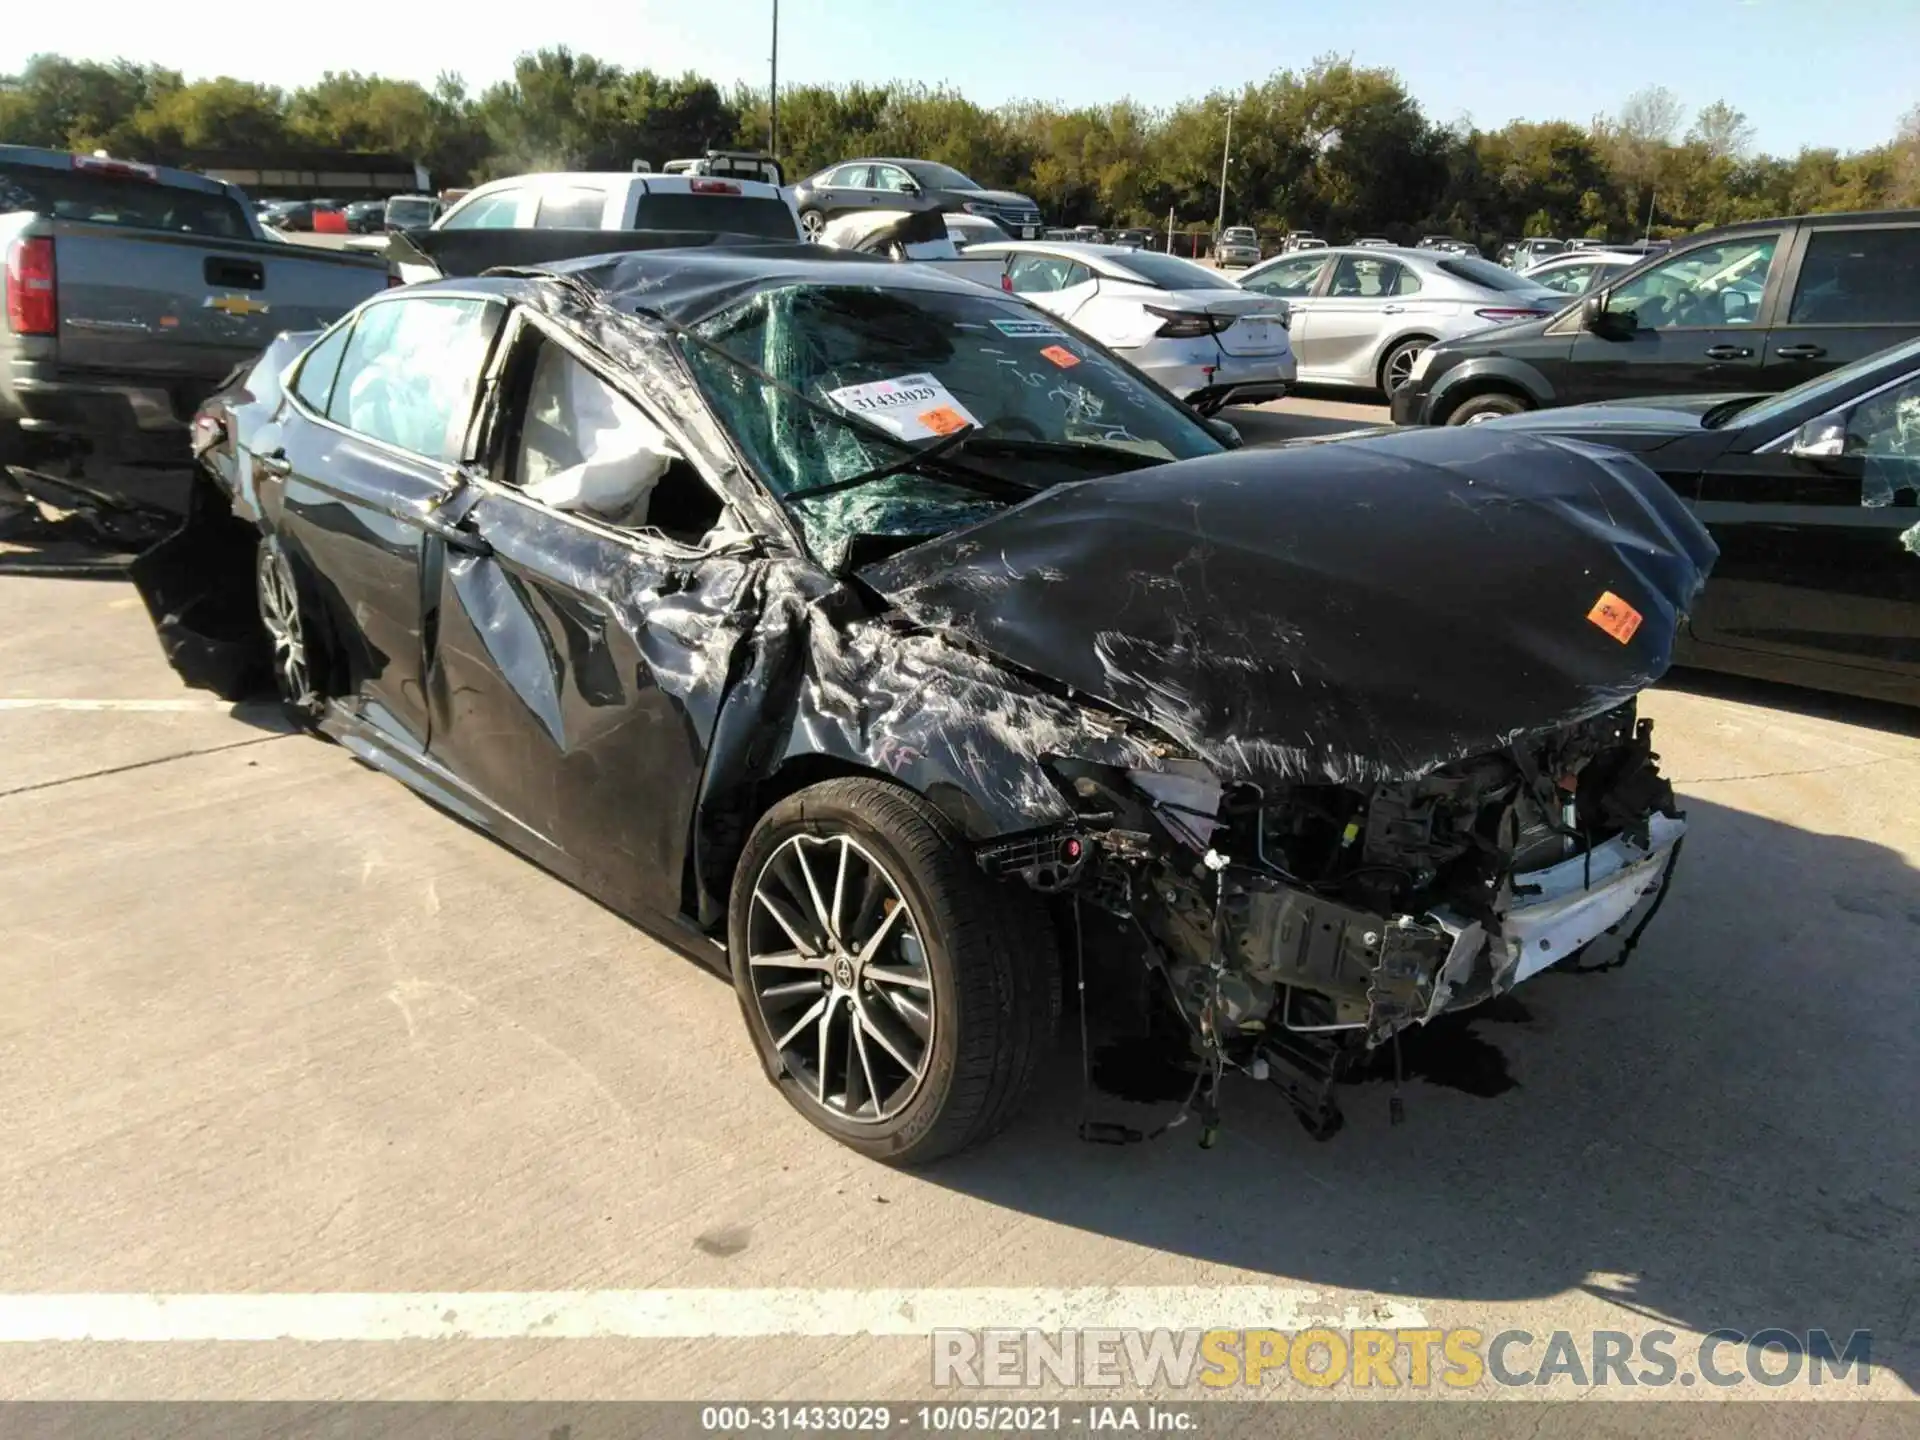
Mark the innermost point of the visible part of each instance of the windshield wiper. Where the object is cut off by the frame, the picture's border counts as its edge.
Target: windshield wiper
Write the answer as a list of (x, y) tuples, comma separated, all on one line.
[(995, 485), (1078, 452), (1718, 415)]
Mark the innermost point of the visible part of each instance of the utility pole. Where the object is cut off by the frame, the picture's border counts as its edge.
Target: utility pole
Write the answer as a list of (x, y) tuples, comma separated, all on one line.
[(773, 87), (1226, 153)]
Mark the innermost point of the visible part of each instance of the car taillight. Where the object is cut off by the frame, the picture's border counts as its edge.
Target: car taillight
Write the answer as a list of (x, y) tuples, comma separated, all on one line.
[(33, 306), (1187, 324), (393, 280), (1006, 283), (1499, 314), (713, 187)]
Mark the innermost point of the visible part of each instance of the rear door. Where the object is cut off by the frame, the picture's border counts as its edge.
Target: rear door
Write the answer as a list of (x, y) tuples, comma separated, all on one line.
[(1855, 290), (1694, 323), (1816, 563), (371, 447), (848, 188)]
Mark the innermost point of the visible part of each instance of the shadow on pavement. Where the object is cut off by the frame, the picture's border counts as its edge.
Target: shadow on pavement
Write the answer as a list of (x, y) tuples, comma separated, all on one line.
[(1880, 715), (1719, 1134)]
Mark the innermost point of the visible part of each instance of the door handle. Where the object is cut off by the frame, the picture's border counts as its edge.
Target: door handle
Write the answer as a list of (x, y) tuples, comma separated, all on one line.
[(1391, 309), (1799, 352), (454, 536), (274, 462), (1729, 352)]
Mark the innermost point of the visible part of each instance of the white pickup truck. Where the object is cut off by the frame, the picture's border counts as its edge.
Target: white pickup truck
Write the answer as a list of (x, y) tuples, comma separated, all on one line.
[(585, 202)]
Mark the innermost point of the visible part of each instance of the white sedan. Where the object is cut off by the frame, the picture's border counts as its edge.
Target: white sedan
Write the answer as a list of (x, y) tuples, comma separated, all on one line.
[(1200, 337)]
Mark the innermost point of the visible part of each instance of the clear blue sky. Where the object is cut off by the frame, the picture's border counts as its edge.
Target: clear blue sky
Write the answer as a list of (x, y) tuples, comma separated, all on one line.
[(1837, 73)]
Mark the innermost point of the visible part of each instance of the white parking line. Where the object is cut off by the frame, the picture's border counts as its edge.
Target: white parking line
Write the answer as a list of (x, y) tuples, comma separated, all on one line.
[(148, 705), (674, 1314)]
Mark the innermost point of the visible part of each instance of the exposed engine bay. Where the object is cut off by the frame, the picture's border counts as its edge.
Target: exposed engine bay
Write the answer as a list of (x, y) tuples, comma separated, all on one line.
[(1301, 927)]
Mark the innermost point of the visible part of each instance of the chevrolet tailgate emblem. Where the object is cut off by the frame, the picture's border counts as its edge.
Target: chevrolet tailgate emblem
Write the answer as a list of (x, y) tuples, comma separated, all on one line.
[(237, 305)]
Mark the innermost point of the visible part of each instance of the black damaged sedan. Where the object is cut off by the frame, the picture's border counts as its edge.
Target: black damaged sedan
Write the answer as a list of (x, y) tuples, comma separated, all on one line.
[(901, 649)]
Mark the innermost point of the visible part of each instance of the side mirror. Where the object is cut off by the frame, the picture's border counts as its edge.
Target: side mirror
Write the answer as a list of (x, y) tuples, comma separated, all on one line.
[(1822, 438), (1593, 312), (1224, 432)]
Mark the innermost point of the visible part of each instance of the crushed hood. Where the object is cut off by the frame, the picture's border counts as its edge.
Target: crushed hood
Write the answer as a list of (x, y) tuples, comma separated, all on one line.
[(1354, 612)]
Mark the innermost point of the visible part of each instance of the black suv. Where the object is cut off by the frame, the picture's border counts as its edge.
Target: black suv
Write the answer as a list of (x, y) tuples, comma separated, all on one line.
[(884, 184), (1755, 307)]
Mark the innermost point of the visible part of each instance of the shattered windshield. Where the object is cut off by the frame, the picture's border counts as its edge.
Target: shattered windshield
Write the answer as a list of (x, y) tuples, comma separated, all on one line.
[(883, 411)]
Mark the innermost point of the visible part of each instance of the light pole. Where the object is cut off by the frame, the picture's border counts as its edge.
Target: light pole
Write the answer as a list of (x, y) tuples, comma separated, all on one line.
[(1226, 152), (773, 87)]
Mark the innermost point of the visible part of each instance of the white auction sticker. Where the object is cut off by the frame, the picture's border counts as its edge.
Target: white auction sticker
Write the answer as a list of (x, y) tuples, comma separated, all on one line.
[(914, 407)]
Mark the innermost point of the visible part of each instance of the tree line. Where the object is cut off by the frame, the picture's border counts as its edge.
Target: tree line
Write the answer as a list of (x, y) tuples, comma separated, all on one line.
[(1337, 148)]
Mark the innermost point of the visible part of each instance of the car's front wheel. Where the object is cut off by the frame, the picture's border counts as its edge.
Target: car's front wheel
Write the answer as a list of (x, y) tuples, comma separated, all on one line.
[(812, 223), (1481, 408), (900, 999)]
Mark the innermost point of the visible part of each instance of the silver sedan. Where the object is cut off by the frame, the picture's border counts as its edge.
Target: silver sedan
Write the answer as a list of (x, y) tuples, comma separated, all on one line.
[(1361, 317)]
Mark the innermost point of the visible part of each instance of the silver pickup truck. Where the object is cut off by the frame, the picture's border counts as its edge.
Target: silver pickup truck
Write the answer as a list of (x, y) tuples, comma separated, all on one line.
[(132, 291)]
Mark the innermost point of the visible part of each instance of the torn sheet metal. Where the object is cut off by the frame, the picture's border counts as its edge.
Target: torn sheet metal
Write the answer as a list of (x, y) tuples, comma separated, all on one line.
[(1349, 613)]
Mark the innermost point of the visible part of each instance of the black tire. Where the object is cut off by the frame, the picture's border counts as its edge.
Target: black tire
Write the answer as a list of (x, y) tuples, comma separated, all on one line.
[(812, 222), (288, 615), (1396, 366), (985, 950), (1491, 406)]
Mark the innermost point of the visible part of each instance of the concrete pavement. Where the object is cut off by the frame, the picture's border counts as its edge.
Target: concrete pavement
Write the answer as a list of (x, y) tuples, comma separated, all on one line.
[(275, 1026)]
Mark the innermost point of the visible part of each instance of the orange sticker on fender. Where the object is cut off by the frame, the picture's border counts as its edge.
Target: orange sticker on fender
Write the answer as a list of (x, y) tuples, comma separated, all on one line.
[(1061, 356), (1615, 616)]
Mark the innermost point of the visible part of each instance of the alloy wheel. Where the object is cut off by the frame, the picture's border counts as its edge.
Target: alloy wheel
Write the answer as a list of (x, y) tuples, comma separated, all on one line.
[(1400, 367), (812, 222), (280, 612), (838, 969)]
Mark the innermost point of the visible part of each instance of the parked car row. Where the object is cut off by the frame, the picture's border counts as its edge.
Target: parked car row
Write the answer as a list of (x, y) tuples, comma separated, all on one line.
[(360, 217)]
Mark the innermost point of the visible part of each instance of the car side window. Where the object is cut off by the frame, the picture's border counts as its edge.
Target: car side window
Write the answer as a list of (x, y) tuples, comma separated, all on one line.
[(1708, 286), (1887, 425), (1859, 277), (892, 177), (1568, 279), (852, 177), (1294, 277), (314, 383), (491, 212), (409, 373), (1367, 278), (575, 208), (585, 448), (1038, 274)]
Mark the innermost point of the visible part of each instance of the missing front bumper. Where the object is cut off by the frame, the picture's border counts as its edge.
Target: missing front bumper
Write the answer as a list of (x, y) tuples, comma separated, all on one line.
[(1378, 974)]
